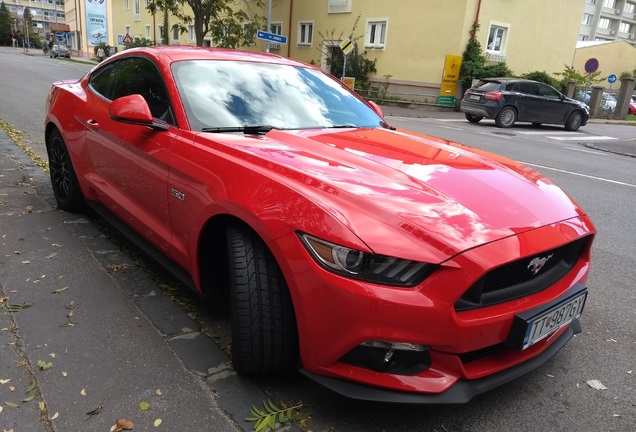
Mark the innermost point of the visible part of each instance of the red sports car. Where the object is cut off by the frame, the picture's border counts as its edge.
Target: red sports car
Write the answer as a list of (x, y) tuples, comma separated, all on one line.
[(386, 264)]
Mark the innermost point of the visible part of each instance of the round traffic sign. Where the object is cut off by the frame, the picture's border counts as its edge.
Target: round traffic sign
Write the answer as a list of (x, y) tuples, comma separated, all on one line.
[(611, 79), (591, 65), (59, 35)]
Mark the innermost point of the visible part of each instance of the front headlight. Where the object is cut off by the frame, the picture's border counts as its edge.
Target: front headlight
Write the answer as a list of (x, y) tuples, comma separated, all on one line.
[(356, 264)]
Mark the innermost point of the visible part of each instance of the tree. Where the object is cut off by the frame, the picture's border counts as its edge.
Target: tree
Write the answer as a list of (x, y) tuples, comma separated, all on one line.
[(228, 24), (580, 80), (138, 42), (5, 25)]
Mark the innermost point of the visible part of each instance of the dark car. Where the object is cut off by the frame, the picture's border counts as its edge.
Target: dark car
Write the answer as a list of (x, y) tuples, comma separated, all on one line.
[(59, 51), (509, 100)]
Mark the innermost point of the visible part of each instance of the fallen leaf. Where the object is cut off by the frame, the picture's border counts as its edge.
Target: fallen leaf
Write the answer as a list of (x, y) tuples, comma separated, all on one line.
[(596, 385), (144, 406), (52, 355), (83, 392), (11, 404), (29, 209), (64, 374), (28, 398), (97, 410), (551, 376), (44, 365), (1, 409), (59, 290), (32, 386), (67, 324), (158, 422), (4, 381), (51, 255), (123, 424), (158, 391), (616, 415), (42, 406), (11, 388), (56, 415)]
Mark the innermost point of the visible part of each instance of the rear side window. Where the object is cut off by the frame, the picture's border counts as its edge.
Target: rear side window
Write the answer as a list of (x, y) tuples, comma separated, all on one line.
[(488, 86)]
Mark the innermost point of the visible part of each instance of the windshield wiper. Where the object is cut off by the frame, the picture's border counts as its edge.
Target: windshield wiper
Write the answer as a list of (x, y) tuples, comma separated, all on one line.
[(247, 129), (342, 126)]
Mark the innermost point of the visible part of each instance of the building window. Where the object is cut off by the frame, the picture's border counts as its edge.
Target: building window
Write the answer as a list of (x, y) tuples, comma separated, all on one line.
[(497, 38), (276, 28), (604, 23), (191, 34), (148, 35), (305, 33), (161, 35), (587, 19), (375, 36), (630, 8), (625, 27), (175, 32), (582, 38), (146, 3), (137, 10), (609, 4)]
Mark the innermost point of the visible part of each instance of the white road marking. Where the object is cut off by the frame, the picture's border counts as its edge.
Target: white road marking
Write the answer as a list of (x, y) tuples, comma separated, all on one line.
[(587, 151), (547, 132), (580, 175), (585, 138), (451, 127)]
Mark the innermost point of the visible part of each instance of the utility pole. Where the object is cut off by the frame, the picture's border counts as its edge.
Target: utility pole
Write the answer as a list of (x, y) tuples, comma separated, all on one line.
[(269, 23)]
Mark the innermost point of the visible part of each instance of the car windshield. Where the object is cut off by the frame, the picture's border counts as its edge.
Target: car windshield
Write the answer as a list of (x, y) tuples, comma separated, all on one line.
[(233, 94)]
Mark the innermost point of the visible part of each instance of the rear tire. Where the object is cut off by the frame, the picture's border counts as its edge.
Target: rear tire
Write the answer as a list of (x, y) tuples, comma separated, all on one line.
[(63, 178), (473, 118), (264, 335), (574, 121), (506, 117)]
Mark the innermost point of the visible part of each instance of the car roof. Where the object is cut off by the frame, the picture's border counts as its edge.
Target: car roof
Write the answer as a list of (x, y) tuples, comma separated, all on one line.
[(508, 80), (180, 53)]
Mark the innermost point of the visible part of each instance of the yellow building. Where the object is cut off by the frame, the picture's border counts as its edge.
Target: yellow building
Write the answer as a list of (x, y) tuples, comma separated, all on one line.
[(613, 58), (409, 39)]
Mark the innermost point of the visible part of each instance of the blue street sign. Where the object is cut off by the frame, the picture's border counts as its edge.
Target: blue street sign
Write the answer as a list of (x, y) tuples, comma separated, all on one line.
[(67, 36), (591, 65), (271, 37), (59, 35), (611, 79)]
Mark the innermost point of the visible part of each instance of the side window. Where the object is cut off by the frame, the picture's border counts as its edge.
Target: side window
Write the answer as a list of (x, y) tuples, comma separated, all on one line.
[(549, 92), (135, 75), (529, 88)]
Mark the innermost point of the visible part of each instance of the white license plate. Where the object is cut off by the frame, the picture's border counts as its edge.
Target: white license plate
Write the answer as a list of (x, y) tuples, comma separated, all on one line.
[(553, 319), (473, 97)]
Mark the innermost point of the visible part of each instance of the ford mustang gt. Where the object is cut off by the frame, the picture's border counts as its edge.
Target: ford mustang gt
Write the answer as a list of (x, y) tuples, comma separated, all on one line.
[(385, 264)]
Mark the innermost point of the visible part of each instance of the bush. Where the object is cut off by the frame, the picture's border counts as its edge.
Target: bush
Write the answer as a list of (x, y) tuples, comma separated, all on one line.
[(544, 77)]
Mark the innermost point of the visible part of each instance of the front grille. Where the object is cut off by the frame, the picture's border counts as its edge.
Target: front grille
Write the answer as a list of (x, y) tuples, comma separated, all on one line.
[(516, 279)]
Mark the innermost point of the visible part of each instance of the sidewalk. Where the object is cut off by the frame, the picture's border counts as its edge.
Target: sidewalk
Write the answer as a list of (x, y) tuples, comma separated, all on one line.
[(86, 336)]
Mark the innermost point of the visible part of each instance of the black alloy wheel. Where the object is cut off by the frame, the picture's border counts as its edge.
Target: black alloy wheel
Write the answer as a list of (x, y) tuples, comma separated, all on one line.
[(63, 178)]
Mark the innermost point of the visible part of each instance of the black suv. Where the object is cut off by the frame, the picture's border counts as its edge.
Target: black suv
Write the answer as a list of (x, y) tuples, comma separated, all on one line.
[(508, 100)]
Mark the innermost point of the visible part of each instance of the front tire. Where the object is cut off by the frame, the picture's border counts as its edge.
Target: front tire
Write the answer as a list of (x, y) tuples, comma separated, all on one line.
[(574, 121), (63, 178), (506, 117), (473, 118), (264, 335)]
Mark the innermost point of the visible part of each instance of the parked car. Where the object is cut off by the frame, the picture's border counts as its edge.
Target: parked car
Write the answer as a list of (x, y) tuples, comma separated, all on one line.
[(59, 51), (511, 100), (608, 100), (632, 105), (385, 264)]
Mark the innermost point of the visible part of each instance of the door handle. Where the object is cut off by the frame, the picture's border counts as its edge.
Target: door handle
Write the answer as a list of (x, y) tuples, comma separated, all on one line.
[(93, 124)]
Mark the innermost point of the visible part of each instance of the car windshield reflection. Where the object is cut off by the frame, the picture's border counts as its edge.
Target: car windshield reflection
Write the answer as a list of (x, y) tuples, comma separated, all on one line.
[(229, 94)]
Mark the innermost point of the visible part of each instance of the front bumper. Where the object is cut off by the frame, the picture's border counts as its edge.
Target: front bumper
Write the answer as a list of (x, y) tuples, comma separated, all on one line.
[(467, 348), (461, 392)]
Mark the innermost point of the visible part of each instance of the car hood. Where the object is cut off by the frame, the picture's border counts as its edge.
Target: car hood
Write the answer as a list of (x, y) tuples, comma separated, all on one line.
[(439, 198)]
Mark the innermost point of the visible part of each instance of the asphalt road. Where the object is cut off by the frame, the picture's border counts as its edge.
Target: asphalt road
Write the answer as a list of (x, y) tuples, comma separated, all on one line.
[(555, 397)]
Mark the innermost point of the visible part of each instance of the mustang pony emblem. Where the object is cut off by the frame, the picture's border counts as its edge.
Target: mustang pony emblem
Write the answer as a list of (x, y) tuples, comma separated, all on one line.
[(537, 264)]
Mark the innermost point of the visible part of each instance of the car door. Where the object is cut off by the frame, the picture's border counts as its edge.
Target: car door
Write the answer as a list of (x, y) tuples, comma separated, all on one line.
[(130, 161), (553, 108), (529, 102)]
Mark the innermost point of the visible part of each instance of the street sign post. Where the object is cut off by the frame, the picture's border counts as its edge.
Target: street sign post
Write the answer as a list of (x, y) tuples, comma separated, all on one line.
[(272, 37), (346, 46)]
